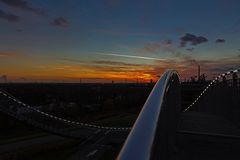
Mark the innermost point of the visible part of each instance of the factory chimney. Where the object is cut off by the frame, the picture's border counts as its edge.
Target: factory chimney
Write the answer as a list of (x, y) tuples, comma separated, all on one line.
[(199, 73)]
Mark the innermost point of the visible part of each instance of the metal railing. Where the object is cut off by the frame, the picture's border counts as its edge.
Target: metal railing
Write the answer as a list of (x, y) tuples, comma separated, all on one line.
[(153, 134)]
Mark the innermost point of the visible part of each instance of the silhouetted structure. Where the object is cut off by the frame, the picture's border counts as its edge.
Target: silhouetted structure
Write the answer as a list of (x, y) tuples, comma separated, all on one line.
[(199, 73), (208, 128)]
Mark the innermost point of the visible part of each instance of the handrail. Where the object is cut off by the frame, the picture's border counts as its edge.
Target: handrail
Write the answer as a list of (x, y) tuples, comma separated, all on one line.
[(153, 133)]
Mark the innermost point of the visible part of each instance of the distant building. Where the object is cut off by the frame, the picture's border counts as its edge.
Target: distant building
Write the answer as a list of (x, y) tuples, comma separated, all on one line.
[(199, 73)]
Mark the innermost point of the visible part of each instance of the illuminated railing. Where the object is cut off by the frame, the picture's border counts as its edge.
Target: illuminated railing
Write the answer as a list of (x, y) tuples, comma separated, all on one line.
[(153, 134)]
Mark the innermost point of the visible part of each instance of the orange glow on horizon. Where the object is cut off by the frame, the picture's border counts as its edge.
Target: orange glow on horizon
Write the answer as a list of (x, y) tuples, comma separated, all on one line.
[(21, 68)]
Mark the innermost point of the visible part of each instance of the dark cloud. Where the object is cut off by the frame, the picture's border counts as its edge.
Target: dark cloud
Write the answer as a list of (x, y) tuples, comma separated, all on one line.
[(220, 41), (9, 17), (192, 39), (23, 5), (190, 49), (73, 60), (103, 63), (61, 22)]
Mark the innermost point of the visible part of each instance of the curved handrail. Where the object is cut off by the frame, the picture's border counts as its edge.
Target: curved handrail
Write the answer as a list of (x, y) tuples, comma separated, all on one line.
[(156, 122)]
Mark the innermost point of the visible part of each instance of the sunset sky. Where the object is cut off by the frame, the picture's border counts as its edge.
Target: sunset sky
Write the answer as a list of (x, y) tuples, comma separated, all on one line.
[(120, 40)]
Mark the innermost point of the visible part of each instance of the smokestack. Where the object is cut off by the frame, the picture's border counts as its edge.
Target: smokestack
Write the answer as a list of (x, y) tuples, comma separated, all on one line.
[(199, 72), (151, 81)]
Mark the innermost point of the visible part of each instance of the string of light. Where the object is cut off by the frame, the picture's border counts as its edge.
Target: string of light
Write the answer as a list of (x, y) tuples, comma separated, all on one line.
[(4, 93), (209, 85)]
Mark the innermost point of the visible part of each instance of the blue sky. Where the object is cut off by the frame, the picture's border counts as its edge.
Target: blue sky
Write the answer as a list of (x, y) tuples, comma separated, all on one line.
[(54, 33)]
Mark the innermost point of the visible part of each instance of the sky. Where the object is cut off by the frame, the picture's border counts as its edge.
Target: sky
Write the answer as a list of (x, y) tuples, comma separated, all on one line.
[(120, 40)]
